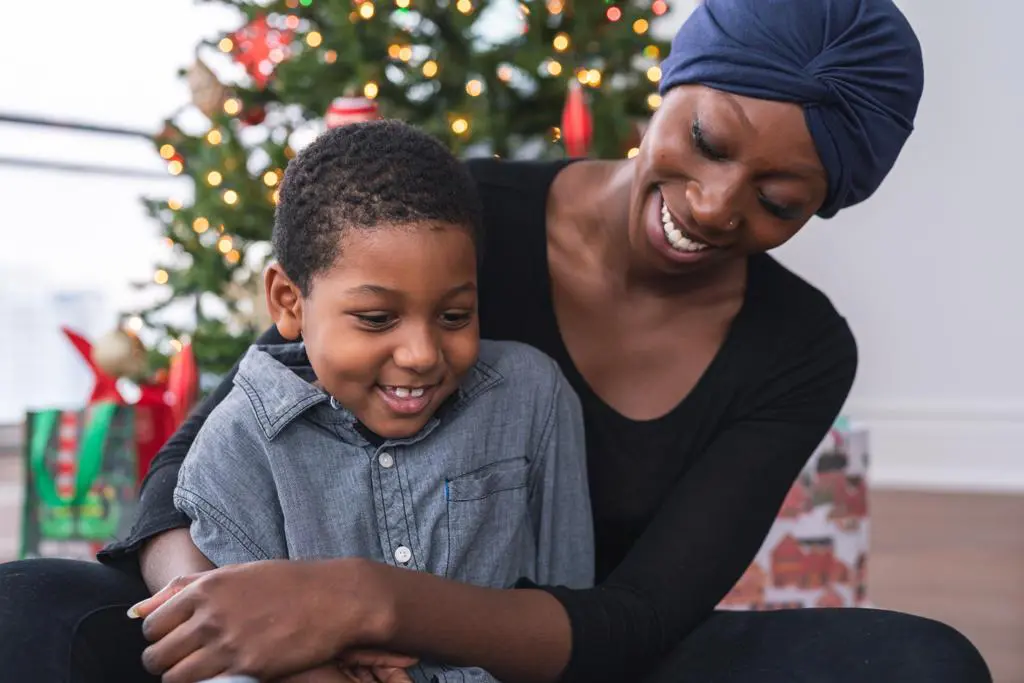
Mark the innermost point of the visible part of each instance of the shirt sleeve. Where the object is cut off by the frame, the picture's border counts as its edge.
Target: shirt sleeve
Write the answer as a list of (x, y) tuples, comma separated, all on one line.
[(226, 488), (156, 512), (463, 675), (712, 523), (560, 500)]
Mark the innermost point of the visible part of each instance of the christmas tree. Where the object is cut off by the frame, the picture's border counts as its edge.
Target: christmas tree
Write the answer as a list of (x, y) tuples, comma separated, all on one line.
[(488, 77)]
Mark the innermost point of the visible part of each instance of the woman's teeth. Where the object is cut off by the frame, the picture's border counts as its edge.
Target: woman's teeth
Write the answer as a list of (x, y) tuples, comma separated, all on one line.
[(406, 392), (675, 236)]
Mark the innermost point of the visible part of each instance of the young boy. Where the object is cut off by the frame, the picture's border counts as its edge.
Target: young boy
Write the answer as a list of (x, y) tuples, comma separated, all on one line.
[(390, 431)]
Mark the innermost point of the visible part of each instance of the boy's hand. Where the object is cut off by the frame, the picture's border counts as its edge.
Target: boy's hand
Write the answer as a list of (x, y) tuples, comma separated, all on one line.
[(375, 666)]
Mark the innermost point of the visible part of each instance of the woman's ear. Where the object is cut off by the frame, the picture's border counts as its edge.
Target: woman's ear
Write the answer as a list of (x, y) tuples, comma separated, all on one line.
[(284, 302)]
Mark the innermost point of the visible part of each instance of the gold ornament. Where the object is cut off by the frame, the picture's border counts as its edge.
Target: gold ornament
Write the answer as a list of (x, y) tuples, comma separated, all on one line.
[(208, 93), (121, 354)]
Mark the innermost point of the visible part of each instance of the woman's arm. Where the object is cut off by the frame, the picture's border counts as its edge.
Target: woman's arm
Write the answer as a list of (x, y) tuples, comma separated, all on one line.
[(702, 539), (672, 579), (157, 554)]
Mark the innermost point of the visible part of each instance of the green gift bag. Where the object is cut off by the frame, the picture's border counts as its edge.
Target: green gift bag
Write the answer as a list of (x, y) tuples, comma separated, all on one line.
[(81, 480)]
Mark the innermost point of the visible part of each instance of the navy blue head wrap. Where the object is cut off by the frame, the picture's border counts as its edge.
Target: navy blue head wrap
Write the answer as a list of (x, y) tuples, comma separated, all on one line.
[(854, 65)]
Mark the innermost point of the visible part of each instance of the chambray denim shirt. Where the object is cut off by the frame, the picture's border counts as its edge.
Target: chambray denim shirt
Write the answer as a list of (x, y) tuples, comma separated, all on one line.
[(491, 490)]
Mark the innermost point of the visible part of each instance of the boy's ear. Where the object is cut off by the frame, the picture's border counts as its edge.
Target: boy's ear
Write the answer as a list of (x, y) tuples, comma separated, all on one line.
[(284, 301)]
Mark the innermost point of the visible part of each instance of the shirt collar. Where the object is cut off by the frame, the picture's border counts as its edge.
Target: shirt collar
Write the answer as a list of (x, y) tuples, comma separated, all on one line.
[(279, 382)]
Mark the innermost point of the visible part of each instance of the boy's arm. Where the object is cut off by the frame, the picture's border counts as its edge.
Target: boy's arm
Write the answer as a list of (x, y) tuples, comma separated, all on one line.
[(227, 489), (560, 494)]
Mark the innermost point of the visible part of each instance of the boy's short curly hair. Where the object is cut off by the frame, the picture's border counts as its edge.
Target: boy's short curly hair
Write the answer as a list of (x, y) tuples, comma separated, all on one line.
[(365, 175)]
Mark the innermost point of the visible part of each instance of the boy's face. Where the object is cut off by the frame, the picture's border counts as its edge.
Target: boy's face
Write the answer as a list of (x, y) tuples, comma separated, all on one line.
[(392, 328)]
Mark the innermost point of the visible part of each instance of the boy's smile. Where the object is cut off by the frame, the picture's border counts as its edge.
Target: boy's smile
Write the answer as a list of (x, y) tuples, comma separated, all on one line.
[(391, 328)]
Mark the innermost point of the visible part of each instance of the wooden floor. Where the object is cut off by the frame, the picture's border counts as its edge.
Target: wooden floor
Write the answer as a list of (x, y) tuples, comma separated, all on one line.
[(956, 558)]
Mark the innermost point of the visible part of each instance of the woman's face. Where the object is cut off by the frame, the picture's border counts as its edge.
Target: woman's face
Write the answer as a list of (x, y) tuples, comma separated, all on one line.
[(721, 176)]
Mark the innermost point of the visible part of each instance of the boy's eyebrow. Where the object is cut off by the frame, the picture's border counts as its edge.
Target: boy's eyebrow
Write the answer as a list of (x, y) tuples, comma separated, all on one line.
[(380, 289)]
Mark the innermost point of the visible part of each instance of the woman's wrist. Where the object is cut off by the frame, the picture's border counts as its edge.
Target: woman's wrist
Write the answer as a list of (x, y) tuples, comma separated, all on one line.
[(365, 587)]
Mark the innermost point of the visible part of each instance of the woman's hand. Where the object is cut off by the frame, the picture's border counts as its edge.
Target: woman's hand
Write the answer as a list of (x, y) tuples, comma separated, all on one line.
[(265, 619)]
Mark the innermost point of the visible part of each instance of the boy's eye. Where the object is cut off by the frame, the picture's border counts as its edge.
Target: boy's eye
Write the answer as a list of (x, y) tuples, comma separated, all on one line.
[(375, 320), (456, 319)]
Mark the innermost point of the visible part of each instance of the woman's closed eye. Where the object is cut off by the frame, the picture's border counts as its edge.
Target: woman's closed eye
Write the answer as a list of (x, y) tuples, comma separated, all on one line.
[(702, 144), (781, 211)]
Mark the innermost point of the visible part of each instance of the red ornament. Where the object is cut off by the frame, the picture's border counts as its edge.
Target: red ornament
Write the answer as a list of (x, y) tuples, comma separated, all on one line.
[(253, 115), (345, 110), (577, 122), (260, 48)]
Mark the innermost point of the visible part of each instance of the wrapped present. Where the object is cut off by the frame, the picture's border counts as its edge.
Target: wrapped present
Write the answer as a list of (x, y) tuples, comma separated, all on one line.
[(815, 555), (84, 467), (80, 480)]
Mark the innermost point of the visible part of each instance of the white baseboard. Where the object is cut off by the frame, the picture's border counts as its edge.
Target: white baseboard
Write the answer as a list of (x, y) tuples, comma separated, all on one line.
[(944, 446)]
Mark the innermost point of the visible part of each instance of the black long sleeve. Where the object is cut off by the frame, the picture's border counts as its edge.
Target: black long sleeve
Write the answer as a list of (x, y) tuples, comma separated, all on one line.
[(156, 511), (713, 519)]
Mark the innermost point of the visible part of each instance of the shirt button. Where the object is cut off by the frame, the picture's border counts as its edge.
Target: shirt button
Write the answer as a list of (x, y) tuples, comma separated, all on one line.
[(402, 554), (386, 460)]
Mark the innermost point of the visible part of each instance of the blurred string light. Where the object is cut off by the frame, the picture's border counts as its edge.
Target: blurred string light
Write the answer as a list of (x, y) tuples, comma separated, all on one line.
[(214, 137), (200, 225), (460, 126), (160, 277)]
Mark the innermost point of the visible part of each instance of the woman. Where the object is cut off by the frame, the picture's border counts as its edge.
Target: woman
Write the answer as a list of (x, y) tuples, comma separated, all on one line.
[(708, 374)]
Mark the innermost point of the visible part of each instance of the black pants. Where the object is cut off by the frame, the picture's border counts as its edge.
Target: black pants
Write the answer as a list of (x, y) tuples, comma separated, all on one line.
[(65, 622)]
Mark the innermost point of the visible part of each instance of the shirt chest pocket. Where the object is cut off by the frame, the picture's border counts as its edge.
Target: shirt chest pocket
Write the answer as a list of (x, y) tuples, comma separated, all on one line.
[(490, 531)]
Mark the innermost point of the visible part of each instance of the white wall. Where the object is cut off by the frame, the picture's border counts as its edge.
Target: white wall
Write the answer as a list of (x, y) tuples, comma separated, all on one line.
[(72, 235), (929, 270)]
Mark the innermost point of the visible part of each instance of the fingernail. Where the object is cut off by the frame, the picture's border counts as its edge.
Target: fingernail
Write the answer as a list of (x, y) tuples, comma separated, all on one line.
[(133, 612)]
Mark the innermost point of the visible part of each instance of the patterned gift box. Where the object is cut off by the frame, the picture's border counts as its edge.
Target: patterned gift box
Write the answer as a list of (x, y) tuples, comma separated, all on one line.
[(81, 480), (815, 554)]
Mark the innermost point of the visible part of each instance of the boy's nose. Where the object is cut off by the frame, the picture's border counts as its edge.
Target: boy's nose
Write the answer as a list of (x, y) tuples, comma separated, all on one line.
[(420, 354)]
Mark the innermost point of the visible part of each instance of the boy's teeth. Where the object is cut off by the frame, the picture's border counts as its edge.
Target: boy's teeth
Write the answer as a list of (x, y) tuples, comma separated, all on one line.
[(675, 236), (406, 392)]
